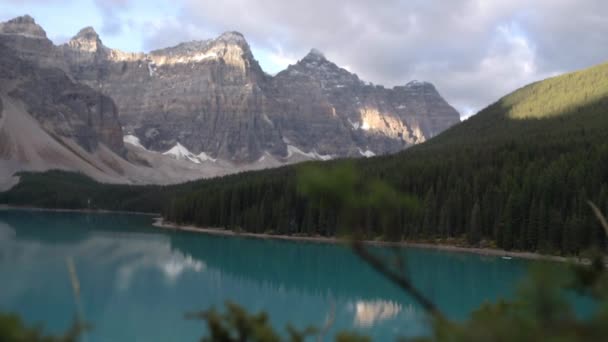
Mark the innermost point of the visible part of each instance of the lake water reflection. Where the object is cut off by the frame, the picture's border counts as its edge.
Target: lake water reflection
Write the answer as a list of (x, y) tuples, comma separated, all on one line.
[(137, 281)]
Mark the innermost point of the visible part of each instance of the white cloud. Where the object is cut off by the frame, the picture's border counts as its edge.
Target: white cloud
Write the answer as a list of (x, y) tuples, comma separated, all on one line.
[(281, 60), (474, 51), (111, 11), (170, 31)]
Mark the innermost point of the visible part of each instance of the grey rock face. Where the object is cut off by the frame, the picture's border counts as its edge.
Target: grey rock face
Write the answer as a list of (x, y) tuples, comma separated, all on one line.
[(24, 25), (205, 95), (61, 106), (212, 96), (350, 116), (28, 41)]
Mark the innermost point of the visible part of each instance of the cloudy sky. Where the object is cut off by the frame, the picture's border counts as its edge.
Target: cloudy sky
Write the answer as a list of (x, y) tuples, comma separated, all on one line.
[(474, 51)]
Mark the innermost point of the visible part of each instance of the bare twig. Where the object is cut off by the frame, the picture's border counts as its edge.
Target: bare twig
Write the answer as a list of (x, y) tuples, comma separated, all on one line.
[(329, 321), (80, 325), (402, 281), (73, 276), (600, 216)]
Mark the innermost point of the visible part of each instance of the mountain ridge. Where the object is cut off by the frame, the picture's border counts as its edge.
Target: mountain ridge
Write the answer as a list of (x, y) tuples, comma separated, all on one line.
[(48, 121), (517, 175), (496, 179), (212, 97)]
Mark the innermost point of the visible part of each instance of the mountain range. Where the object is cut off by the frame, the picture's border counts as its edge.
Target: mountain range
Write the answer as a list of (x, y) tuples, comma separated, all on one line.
[(198, 109), (517, 175)]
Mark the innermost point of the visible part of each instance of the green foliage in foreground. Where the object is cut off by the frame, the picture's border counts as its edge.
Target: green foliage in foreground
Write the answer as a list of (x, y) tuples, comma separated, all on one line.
[(345, 193), (236, 324), (539, 312), (12, 329)]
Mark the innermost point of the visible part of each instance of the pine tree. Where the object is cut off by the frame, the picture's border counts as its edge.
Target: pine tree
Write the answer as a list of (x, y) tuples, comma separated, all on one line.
[(474, 235), (508, 223), (532, 228)]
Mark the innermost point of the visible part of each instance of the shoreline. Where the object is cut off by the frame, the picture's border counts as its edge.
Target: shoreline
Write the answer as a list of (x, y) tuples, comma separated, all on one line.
[(86, 211), (160, 223)]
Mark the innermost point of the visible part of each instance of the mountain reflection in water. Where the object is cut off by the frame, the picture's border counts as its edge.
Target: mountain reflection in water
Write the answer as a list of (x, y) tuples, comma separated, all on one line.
[(137, 282)]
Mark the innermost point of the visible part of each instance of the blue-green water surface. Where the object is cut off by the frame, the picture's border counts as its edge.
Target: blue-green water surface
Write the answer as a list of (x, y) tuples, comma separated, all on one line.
[(137, 281)]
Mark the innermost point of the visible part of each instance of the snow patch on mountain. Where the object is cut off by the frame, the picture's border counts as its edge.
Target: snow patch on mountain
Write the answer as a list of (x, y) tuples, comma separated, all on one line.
[(205, 157), (179, 152), (367, 153), (323, 157), (133, 140), (291, 150), (267, 119), (265, 156)]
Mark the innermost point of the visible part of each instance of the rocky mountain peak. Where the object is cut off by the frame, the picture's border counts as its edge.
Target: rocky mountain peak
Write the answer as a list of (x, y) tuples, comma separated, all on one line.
[(418, 84), (201, 46), (86, 39), (23, 20), (233, 41), (315, 54), (212, 97), (318, 68), (229, 46), (24, 25), (418, 87), (87, 33), (315, 58), (233, 37), (186, 48)]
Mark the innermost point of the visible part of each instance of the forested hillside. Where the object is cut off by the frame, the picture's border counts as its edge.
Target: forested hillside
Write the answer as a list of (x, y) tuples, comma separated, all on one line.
[(517, 175), (68, 190)]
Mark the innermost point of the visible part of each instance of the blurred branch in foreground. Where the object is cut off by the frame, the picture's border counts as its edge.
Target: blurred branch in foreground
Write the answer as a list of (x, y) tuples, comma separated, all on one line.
[(399, 279)]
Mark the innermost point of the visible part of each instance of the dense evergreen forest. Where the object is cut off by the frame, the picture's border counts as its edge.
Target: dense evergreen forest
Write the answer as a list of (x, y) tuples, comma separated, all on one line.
[(68, 190), (517, 175)]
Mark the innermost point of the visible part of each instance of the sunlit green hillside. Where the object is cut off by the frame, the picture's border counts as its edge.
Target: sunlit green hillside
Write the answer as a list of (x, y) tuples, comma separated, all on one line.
[(570, 93), (558, 106)]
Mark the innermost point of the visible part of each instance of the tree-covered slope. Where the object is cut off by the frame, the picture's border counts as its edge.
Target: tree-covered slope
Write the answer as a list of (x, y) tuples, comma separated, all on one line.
[(68, 190), (516, 175), (550, 107)]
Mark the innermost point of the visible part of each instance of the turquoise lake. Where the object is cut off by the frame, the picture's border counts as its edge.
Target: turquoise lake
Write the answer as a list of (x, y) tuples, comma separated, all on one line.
[(137, 281)]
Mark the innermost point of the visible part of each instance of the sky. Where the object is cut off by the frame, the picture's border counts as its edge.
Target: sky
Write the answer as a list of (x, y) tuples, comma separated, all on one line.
[(473, 51)]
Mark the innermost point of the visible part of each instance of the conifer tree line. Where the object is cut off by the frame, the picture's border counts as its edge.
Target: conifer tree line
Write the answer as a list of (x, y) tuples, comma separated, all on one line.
[(517, 196), (518, 175)]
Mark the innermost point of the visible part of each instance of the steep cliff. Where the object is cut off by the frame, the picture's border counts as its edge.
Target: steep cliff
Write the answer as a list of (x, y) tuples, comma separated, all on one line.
[(327, 108), (212, 99), (205, 95), (63, 107)]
